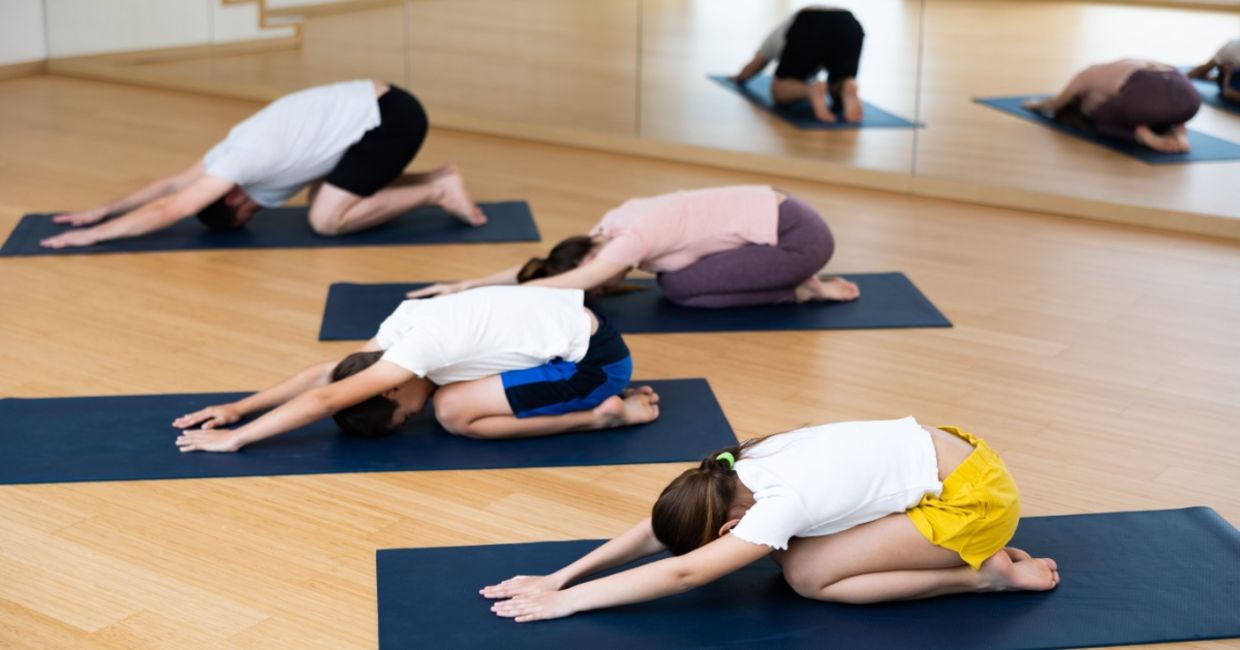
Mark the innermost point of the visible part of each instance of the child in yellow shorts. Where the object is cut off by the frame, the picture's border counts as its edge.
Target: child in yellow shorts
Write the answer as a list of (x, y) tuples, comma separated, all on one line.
[(855, 512)]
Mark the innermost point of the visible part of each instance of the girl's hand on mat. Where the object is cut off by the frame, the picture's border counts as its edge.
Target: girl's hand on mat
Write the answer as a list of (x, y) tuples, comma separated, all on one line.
[(68, 239), (521, 586), (441, 289), (539, 607), (82, 218), (207, 440), (212, 417), (1039, 105)]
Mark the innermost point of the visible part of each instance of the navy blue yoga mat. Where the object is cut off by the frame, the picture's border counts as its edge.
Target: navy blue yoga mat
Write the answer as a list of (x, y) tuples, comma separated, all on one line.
[(1205, 148), (1128, 577), (801, 115), (508, 221), (1211, 95), (130, 438), (888, 300)]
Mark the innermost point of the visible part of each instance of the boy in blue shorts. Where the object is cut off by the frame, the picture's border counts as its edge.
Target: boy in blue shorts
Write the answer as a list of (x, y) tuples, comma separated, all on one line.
[(500, 362)]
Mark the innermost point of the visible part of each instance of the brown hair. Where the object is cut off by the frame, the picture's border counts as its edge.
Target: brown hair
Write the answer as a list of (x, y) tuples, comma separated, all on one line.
[(371, 418), (566, 256), (218, 217), (692, 508)]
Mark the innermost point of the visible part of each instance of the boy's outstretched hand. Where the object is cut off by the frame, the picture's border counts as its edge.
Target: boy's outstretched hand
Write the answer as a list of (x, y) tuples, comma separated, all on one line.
[(211, 417), (207, 440)]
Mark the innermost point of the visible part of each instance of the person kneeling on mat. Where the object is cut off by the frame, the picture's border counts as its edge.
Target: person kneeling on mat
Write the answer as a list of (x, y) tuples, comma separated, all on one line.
[(853, 512), (513, 362), (1131, 100), (720, 247), (813, 39), (1227, 64), (348, 142)]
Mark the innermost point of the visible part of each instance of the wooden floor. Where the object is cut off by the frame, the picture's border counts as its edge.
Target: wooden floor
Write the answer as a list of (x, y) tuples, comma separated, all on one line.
[(638, 67), (1102, 361)]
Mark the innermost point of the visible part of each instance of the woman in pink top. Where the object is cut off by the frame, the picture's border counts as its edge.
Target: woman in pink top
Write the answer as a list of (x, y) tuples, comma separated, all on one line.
[(1130, 99), (718, 247)]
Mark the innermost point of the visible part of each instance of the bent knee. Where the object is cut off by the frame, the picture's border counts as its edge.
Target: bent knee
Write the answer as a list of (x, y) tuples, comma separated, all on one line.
[(325, 226)]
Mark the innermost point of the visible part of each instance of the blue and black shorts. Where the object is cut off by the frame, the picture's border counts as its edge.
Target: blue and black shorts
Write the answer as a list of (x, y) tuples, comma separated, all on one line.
[(559, 386)]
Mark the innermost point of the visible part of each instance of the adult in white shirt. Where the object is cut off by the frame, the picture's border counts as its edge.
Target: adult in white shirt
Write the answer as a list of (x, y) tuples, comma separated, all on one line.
[(853, 512), (513, 362), (813, 39), (347, 142), (1224, 68)]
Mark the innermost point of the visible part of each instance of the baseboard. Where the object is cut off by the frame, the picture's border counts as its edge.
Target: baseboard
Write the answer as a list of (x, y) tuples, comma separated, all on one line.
[(23, 69)]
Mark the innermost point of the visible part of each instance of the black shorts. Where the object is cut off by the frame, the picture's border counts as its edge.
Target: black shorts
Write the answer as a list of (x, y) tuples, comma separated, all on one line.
[(821, 39), (382, 154), (560, 386)]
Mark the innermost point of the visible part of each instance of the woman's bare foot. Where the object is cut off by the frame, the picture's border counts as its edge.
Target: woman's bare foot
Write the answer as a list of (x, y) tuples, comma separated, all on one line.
[(453, 198), (818, 99), (1001, 573), (854, 110), (1175, 141), (633, 406), (814, 289)]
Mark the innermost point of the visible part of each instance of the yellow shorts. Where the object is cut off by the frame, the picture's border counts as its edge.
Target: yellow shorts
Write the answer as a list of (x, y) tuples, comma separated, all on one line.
[(977, 512)]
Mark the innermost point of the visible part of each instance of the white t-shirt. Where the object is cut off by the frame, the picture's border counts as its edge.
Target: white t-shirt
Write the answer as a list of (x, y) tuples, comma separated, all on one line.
[(486, 331), (829, 478), (1229, 54), (295, 140)]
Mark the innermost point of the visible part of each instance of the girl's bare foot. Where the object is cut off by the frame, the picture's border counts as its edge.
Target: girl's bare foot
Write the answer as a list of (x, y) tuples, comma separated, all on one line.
[(633, 406), (818, 99), (453, 197), (853, 108), (1017, 554), (1001, 573), (815, 289), (1175, 141)]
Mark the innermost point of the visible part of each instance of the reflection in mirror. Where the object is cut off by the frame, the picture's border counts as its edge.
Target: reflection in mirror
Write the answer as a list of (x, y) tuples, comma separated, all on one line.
[(978, 49), (543, 63), (684, 41)]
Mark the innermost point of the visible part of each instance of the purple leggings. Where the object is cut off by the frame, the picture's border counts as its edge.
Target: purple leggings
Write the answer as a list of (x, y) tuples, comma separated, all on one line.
[(756, 274), (1158, 98)]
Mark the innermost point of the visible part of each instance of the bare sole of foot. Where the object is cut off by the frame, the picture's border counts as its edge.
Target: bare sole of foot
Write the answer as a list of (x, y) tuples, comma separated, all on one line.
[(818, 100), (633, 406), (815, 289), (1002, 573), (454, 199), (1177, 142), (854, 110)]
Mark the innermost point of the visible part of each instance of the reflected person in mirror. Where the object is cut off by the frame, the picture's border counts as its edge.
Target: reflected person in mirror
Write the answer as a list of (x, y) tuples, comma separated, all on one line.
[(814, 39)]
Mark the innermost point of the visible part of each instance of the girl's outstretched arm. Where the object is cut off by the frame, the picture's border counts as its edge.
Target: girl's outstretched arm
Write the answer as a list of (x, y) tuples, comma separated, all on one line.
[(637, 542), (647, 582), (315, 404), (220, 415), (590, 275), (506, 276)]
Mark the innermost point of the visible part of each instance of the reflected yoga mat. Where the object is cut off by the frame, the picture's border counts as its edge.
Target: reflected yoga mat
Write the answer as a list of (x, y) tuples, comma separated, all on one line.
[(1205, 148), (129, 438), (1127, 577), (888, 300), (801, 115), (507, 221), (1211, 95)]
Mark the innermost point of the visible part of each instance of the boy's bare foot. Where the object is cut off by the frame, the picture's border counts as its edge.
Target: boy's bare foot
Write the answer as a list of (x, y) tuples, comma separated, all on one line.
[(1001, 573), (853, 108), (453, 197), (815, 289), (633, 406), (818, 99), (1175, 141)]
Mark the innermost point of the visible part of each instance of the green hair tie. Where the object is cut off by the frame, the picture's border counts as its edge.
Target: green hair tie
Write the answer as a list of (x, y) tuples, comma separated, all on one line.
[(727, 455)]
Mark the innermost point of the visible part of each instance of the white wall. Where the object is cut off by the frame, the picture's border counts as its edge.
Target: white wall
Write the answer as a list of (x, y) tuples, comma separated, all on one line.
[(79, 27), (21, 31)]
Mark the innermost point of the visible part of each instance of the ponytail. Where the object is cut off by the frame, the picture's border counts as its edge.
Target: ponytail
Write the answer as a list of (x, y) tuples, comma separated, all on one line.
[(694, 506), (566, 256)]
